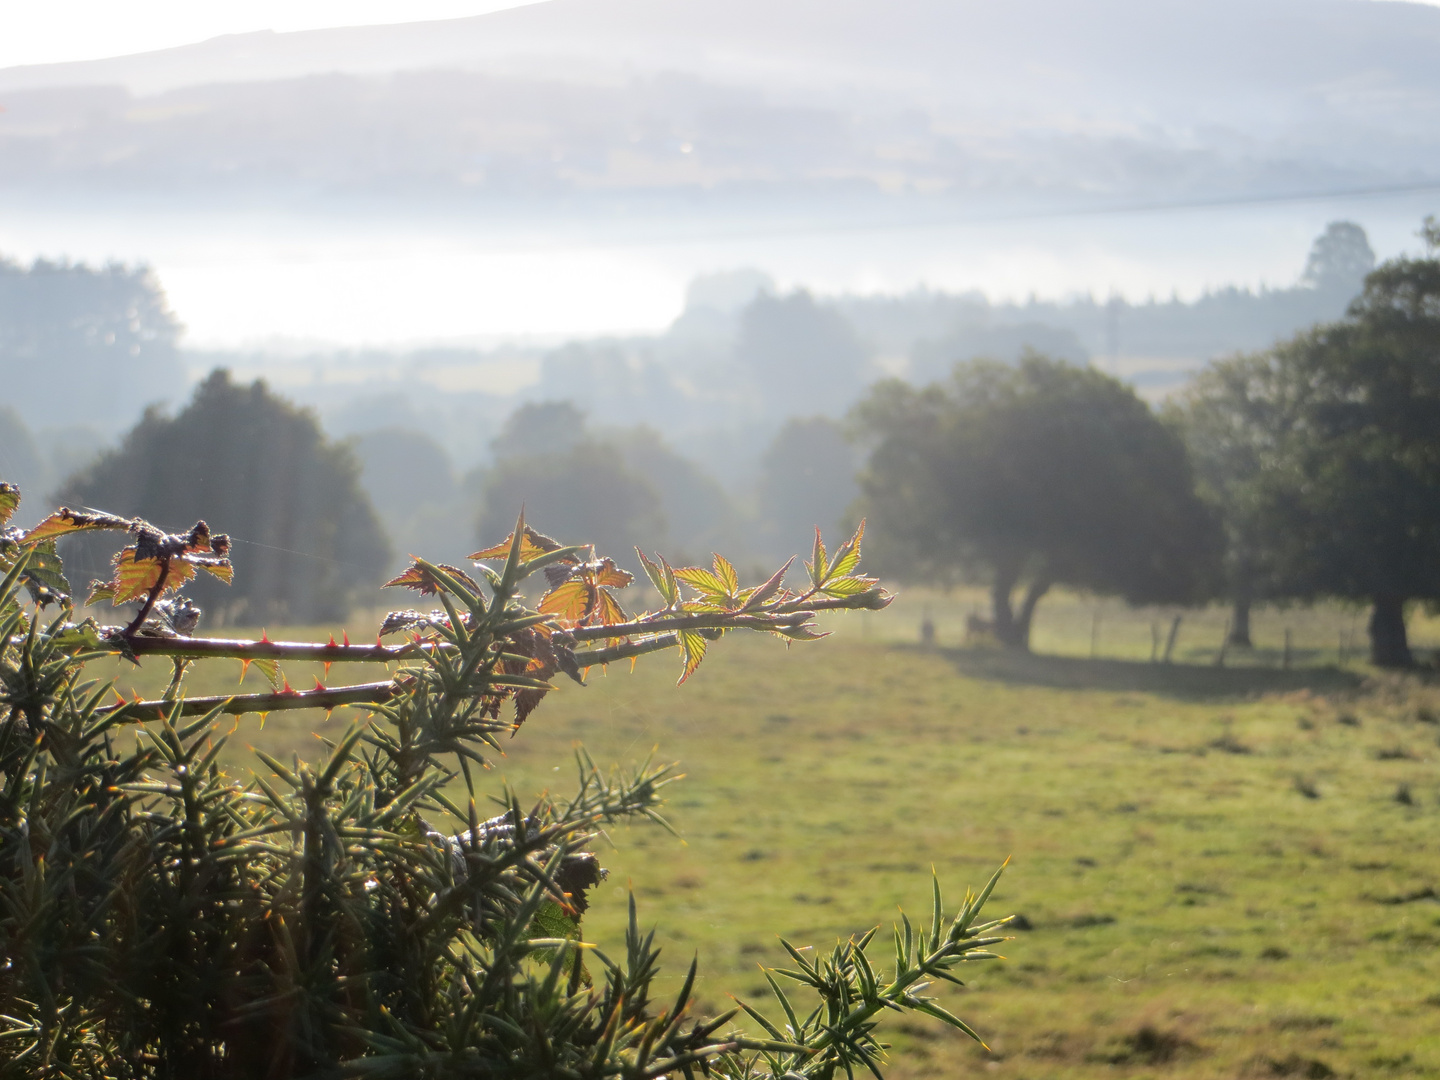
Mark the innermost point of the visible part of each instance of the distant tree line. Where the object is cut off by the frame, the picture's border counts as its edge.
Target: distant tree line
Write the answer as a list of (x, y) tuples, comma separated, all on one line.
[(1302, 471), (1306, 471)]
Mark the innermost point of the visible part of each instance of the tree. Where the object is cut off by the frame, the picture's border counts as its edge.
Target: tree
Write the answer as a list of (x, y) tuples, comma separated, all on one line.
[(1339, 259), (312, 543), (1038, 475), (587, 486), (807, 480), (1228, 425), (92, 345), (354, 915), (1342, 492), (799, 355)]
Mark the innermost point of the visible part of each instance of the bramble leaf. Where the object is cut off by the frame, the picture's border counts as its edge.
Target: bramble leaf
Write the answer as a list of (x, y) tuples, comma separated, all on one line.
[(9, 500), (848, 586), (725, 571), (424, 582), (44, 575), (66, 521), (662, 577), (701, 580), (816, 565), (692, 651), (610, 575), (608, 611), (764, 592), (571, 601), (847, 556), (532, 544), (134, 577)]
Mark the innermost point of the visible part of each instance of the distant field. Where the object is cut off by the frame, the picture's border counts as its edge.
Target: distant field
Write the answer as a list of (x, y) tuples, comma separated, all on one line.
[(1224, 871)]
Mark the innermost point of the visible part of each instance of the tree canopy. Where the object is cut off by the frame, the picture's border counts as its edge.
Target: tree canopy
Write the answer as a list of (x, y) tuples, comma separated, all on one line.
[(87, 344), (1038, 475), (311, 540), (1325, 454)]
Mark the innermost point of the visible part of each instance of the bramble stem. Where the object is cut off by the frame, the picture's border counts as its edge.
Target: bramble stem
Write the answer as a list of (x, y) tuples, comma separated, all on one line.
[(138, 712), (242, 649)]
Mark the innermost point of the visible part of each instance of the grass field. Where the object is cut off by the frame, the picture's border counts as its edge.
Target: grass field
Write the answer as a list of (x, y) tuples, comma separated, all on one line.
[(1222, 871)]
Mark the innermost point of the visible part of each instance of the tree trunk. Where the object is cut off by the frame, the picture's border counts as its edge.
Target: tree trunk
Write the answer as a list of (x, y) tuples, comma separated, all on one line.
[(1012, 628), (1001, 613), (1389, 646), (1240, 624)]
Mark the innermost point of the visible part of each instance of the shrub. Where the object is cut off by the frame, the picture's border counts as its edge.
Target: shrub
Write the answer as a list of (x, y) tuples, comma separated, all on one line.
[(357, 916)]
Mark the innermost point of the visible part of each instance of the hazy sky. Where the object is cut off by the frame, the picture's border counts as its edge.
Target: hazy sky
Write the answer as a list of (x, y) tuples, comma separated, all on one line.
[(58, 30)]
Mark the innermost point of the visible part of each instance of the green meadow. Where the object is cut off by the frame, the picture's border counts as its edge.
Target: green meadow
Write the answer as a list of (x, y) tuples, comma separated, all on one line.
[(1218, 869)]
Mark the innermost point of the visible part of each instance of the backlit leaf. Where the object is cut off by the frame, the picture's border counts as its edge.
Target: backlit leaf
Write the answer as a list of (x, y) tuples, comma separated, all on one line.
[(816, 565), (66, 521), (725, 571), (9, 500), (221, 569), (847, 556), (134, 577), (771, 587), (848, 586), (420, 579), (571, 602), (608, 611), (532, 544), (692, 651), (612, 576), (44, 575), (701, 580)]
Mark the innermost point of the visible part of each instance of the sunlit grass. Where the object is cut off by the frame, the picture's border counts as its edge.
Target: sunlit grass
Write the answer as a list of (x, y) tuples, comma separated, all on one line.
[(1226, 871)]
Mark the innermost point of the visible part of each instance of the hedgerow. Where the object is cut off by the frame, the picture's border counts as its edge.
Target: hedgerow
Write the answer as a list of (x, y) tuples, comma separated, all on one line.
[(358, 916)]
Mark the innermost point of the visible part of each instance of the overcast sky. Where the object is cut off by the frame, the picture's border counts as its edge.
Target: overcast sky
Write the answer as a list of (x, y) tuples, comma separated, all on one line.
[(52, 31)]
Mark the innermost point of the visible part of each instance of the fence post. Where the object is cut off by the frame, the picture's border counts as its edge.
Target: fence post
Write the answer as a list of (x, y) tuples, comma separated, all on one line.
[(1285, 660), (1170, 641)]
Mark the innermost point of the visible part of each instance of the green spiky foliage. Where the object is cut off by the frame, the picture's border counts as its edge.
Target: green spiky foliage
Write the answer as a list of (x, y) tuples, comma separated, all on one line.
[(356, 916)]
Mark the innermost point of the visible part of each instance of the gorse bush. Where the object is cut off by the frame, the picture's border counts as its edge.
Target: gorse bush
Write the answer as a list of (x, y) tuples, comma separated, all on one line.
[(359, 916)]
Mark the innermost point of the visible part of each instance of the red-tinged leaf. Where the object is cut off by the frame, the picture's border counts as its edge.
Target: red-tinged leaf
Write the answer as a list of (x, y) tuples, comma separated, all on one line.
[(534, 644), (216, 567), (9, 500), (66, 521), (608, 611), (570, 602), (701, 580), (101, 590), (426, 583), (134, 578), (692, 651), (612, 576), (532, 544), (771, 587), (725, 572), (847, 556)]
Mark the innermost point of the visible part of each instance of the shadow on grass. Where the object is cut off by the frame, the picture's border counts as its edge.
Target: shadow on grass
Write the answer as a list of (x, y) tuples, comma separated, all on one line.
[(1191, 681)]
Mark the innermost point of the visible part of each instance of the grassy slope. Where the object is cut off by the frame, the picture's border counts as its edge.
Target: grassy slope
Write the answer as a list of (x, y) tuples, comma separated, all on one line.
[(1194, 913)]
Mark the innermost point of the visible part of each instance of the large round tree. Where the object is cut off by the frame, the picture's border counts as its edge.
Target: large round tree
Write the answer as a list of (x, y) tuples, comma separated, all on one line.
[(1337, 490), (1033, 476), (261, 470)]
